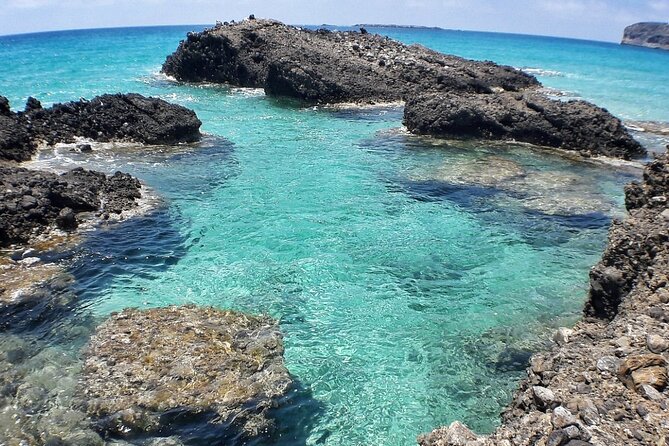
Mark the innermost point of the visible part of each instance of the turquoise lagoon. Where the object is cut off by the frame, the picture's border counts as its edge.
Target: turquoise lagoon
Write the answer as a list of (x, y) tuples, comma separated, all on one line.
[(411, 277)]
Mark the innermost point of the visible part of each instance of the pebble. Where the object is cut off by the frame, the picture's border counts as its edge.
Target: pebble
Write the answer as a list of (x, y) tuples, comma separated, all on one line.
[(656, 344)]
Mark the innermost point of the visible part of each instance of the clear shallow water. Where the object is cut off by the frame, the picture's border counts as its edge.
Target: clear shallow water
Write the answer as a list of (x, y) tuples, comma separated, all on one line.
[(411, 278)]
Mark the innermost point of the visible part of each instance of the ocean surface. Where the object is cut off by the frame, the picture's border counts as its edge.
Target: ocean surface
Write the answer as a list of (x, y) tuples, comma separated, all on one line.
[(412, 277)]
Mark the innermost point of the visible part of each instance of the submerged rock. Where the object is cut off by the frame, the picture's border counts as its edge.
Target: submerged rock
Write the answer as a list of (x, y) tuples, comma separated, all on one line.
[(149, 370), (608, 385), (118, 117), (323, 66), (528, 117), (32, 202)]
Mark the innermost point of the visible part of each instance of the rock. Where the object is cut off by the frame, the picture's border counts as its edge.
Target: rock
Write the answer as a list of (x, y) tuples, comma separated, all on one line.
[(56, 199), (84, 148), (649, 392), (4, 107), (562, 418), (328, 67), (648, 34), (33, 105), (543, 396), (457, 434), (145, 370), (527, 117), (649, 369), (608, 364), (562, 335), (66, 219), (656, 344), (557, 437), (119, 117)]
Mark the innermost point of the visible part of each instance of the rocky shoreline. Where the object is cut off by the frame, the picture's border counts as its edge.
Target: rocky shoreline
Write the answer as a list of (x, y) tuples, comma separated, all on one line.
[(647, 34), (446, 96), (605, 381)]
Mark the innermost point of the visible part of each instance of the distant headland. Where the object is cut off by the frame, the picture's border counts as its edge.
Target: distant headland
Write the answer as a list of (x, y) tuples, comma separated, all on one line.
[(648, 34)]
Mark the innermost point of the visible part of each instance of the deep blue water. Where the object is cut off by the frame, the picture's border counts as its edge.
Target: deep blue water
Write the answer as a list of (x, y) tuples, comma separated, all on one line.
[(411, 277)]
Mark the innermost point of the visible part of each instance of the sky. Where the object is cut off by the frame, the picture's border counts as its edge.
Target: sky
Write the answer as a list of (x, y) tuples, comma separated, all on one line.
[(585, 19)]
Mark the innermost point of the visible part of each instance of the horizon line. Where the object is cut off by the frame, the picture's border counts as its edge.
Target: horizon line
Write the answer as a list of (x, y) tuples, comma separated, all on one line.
[(370, 25)]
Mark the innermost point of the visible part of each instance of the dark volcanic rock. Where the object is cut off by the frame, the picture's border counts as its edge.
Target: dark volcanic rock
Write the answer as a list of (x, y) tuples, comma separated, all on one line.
[(152, 370), (648, 34), (324, 66), (33, 201), (525, 117), (118, 117)]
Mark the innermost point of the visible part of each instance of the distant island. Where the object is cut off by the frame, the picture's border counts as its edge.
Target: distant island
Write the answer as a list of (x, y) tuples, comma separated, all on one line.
[(648, 34)]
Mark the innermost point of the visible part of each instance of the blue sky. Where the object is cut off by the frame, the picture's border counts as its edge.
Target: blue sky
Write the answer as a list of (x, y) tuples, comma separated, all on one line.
[(588, 19)]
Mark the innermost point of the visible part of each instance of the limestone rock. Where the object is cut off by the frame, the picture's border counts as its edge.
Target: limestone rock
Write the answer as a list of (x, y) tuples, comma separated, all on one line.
[(649, 369)]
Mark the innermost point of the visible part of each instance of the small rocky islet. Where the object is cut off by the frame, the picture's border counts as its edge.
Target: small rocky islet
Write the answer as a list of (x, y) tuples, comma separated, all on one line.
[(604, 381)]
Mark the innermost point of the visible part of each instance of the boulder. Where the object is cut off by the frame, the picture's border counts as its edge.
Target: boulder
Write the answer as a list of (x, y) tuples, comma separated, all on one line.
[(526, 117)]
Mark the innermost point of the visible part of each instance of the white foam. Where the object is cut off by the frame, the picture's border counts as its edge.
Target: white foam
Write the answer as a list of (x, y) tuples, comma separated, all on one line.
[(542, 72)]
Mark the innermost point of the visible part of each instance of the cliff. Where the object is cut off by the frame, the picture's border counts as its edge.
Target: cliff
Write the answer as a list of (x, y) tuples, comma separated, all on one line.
[(648, 34)]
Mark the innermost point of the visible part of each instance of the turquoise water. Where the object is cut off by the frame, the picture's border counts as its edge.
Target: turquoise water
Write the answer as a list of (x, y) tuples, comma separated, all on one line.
[(411, 277)]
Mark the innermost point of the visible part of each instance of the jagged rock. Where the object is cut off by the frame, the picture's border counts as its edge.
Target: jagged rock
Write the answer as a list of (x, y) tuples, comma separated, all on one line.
[(562, 418), (118, 117), (649, 369), (526, 117), (33, 201), (562, 335), (145, 370), (543, 396), (457, 434), (324, 66)]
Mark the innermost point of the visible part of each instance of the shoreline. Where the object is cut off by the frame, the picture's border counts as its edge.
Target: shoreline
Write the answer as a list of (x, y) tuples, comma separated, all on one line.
[(603, 381)]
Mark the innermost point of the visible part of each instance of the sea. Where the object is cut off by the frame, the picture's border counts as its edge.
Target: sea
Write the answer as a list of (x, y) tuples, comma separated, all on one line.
[(412, 277)]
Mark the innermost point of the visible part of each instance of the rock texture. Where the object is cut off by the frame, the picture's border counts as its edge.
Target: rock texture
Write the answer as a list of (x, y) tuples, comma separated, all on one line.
[(149, 371), (445, 95), (605, 382), (527, 117), (324, 66), (648, 34), (118, 117), (32, 202)]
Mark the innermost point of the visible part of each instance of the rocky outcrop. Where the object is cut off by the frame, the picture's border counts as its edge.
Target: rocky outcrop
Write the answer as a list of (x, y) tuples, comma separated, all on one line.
[(153, 370), (446, 95), (648, 34), (604, 382), (525, 117), (33, 202), (327, 67), (118, 117)]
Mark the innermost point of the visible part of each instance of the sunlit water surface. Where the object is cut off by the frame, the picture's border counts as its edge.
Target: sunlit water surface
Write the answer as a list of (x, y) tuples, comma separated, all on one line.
[(411, 277)]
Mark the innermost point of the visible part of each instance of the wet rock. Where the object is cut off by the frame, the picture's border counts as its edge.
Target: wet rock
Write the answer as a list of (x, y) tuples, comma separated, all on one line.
[(66, 219), (4, 107), (146, 370), (528, 117), (118, 117)]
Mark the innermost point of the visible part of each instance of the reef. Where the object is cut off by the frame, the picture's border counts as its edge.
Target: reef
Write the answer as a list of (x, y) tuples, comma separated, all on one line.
[(648, 34), (33, 203), (604, 382), (151, 371), (107, 118), (446, 96)]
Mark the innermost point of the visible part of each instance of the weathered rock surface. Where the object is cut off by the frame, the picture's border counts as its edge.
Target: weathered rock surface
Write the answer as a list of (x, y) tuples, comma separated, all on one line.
[(149, 370), (32, 202), (606, 383), (324, 66), (117, 117), (648, 34), (526, 117), (446, 95)]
